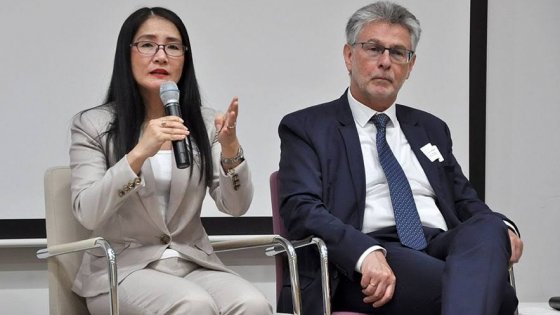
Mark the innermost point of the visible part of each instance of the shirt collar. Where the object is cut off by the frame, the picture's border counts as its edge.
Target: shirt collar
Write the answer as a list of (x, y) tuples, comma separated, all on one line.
[(362, 114)]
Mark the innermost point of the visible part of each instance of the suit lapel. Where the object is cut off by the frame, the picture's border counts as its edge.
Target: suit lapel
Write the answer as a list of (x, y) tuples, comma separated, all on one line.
[(179, 182), (148, 197), (417, 138), (347, 129)]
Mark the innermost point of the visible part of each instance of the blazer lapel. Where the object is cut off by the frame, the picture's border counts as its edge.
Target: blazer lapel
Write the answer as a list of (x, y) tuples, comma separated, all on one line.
[(417, 138), (148, 197), (179, 182), (347, 129)]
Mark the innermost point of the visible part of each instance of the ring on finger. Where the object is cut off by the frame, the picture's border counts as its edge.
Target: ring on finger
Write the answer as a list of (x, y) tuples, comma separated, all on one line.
[(231, 126), (163, 123)]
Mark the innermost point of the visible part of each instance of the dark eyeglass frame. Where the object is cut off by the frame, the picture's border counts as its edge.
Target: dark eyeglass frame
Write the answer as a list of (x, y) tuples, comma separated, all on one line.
[(394, 52), (180, 52)]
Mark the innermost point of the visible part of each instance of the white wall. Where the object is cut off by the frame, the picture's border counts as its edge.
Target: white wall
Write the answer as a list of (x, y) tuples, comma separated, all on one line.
[(523, 165), (277, 56), (23, 282), (56, 59)]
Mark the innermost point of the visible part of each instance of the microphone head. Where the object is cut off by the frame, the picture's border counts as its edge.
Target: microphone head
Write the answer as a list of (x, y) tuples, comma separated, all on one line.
[(169, 92)]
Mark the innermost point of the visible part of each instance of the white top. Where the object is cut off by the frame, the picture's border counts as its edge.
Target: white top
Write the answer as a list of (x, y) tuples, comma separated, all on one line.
[(161, 166)]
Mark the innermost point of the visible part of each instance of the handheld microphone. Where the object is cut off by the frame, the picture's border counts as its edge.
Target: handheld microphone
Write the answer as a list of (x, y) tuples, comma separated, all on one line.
[(169, 94)]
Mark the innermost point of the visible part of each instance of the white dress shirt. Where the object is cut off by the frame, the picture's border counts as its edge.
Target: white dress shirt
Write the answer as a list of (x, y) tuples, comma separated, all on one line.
[(378, 208), (378, 212)]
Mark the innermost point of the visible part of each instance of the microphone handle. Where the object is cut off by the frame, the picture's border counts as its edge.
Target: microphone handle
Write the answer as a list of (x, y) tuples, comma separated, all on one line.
[(179, 146)]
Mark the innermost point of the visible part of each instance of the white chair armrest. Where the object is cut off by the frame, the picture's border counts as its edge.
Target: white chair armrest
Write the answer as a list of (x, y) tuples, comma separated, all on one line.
[(244, 243), (71, 247), (65, 248)]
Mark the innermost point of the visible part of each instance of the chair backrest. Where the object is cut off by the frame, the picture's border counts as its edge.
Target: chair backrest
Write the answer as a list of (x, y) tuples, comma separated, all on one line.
[(277, 223), (62, 227), (277, 228)]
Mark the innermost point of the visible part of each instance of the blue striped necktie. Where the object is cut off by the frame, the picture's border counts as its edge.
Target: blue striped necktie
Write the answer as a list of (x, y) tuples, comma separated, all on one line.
[(409, 227)]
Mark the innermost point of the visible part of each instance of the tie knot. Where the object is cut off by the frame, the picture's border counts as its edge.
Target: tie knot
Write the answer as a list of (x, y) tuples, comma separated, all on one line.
[(380, 120)]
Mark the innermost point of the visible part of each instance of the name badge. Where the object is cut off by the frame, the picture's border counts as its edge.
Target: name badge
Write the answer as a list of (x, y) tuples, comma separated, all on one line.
[(432, 152)]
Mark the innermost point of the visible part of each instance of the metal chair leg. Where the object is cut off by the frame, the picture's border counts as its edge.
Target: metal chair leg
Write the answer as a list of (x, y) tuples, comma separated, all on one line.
[(294, 275), (512, 282), (287, 247), (323, 255), (113, 280)]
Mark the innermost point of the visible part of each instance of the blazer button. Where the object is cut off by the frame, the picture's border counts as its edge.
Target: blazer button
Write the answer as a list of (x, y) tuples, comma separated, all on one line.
[(164, 239)]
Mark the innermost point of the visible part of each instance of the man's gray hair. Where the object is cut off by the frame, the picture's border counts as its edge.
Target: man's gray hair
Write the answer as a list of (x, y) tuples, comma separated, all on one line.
[(383, 11)]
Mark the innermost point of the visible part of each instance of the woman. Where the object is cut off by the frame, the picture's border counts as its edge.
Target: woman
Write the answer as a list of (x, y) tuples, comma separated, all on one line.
[(127, 188)]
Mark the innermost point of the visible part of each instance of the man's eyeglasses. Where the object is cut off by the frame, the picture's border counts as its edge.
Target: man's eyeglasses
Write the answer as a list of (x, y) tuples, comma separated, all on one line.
[(150, 48), (397, 55)]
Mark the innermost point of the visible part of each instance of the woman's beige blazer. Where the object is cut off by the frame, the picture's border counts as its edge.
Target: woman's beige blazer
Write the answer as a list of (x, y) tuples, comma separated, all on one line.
[(122, 207)]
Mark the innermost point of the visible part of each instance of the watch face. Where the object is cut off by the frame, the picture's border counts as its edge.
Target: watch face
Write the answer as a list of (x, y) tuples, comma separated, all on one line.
[(238, 158)]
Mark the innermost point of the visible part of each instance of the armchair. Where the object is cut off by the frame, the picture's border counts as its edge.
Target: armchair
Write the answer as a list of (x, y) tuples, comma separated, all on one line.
[(66, 235)]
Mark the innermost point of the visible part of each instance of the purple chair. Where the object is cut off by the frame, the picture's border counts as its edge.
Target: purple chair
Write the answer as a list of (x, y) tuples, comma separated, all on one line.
[(279, 228)]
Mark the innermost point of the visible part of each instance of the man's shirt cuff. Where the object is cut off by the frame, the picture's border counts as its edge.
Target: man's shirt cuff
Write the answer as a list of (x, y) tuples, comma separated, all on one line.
[(367, 252)]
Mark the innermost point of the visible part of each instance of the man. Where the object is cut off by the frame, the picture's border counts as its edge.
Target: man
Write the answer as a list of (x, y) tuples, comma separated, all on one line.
[(378, 182)]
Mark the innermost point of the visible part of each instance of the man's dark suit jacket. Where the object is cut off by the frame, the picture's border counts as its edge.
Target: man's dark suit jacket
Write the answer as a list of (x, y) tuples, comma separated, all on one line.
[(322, 187)]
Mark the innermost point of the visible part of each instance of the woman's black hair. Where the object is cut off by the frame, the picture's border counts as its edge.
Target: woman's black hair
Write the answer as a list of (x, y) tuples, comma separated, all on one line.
[(124, 96)]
